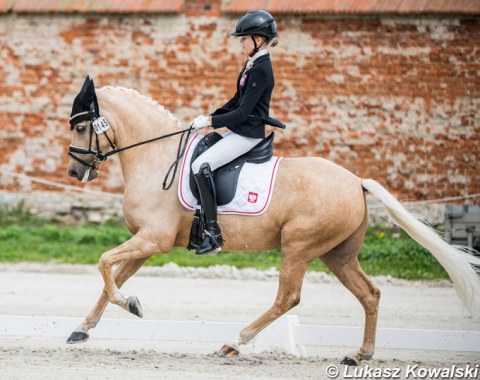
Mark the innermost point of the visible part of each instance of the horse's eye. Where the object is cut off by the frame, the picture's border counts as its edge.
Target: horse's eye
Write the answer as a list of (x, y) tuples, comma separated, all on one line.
[(80, 128)]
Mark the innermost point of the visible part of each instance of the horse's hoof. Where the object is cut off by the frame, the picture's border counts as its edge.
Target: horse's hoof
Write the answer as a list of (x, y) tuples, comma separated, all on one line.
[(349, 361), (134, 306), (227, 351), (77, 337)]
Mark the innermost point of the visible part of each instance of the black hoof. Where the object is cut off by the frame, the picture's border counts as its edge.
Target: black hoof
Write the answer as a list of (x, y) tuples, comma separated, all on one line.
[(349, 361), (77, 337), (134, 306)]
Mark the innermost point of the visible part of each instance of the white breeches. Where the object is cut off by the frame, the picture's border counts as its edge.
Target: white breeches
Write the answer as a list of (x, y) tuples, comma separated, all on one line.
[(226, 150)]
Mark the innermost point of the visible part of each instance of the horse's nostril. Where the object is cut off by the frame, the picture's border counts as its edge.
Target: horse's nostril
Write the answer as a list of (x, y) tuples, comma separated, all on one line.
[(72, 173)]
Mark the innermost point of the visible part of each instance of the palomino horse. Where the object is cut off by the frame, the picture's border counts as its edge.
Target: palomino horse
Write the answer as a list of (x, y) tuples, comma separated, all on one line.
[(318, 211)]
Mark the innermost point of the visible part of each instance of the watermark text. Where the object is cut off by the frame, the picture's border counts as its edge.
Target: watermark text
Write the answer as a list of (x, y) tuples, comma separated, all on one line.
[(411, 371)]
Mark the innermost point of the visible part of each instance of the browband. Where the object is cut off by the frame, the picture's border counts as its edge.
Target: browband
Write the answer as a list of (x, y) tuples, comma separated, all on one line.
[(81, 116)]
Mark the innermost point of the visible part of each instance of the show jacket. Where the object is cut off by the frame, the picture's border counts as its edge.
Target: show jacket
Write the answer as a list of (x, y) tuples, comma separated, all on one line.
[(246, 113)]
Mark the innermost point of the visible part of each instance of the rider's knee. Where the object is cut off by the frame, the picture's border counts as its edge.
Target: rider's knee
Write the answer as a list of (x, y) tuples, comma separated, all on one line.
[(198, 164)]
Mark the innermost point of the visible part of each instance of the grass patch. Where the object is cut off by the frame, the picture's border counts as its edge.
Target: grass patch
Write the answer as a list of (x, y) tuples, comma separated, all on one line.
[(18, 214), (27, 238)]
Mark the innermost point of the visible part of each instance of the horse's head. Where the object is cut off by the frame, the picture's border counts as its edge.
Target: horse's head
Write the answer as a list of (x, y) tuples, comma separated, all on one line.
[(87, 126)]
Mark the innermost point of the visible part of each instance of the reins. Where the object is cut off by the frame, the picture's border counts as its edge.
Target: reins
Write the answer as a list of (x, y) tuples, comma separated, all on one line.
[(103, 157), (174, 166), (180, 153), (99, 156)]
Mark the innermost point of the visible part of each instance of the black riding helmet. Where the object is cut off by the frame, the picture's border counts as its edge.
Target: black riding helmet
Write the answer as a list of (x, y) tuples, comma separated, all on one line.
[(255, 23), (258, 23)]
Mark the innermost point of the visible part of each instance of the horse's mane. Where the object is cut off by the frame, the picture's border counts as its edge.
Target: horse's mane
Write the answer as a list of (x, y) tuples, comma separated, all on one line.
[(146, 99)]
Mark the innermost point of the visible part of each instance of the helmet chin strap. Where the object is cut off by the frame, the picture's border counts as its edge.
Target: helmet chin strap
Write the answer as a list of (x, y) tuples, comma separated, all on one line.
[(256, 48)]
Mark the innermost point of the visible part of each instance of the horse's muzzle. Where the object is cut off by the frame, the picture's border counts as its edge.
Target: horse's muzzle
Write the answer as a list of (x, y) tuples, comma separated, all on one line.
[(84, 174)]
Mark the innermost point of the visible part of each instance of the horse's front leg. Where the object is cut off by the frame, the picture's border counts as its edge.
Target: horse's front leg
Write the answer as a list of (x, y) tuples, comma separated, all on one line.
[(138, 247), (124, 271)]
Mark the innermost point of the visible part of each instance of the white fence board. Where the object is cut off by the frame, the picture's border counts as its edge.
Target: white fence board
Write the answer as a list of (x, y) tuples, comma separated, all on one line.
[(442, 340), (286, 333)]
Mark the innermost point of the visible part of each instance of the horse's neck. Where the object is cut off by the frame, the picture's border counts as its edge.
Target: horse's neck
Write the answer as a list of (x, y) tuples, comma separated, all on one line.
[(145, 166), (148, 161)]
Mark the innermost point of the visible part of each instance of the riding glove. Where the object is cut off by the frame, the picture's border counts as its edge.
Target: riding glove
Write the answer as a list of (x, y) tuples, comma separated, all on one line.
[(201, 122)]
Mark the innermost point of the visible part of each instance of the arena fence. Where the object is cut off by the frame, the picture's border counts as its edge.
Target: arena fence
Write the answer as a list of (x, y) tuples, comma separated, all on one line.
[(286, 333)]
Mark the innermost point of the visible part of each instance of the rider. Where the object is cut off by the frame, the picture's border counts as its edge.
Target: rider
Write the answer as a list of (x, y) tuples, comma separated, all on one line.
[(244, 115)]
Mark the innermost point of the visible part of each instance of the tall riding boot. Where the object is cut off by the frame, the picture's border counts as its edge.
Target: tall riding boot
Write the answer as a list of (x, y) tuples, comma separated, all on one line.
[(212, 240)]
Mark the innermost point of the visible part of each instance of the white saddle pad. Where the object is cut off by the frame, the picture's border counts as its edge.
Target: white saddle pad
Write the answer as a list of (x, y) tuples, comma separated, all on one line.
[(254, 190)]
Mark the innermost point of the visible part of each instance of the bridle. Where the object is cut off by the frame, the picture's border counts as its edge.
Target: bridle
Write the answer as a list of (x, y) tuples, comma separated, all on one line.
[(99, 156)]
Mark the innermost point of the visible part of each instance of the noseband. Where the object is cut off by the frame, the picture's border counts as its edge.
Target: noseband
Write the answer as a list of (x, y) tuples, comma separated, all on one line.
[(99, 125)]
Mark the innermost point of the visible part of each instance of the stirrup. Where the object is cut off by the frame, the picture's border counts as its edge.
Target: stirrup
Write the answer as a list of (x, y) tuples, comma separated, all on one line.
[(211, 245)]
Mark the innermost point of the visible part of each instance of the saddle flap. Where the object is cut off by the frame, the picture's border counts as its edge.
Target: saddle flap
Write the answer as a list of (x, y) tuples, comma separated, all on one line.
[(226, 180)]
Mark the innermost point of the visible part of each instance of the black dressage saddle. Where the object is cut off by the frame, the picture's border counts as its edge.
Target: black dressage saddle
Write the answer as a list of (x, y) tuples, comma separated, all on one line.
[(226, 177)]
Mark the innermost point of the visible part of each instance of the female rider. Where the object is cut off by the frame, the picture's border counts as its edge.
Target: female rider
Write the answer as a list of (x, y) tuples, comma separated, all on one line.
[(244, 115)]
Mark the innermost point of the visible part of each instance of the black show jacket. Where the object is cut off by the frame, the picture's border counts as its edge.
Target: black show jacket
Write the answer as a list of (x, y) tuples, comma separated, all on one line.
[(244, 114)]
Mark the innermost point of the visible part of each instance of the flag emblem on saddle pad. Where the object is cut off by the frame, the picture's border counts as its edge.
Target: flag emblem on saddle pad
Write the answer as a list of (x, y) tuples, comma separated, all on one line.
[(252, 197)]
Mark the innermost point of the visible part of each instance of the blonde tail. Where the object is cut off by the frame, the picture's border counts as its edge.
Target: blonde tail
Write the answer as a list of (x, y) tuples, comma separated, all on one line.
[(461, 265)]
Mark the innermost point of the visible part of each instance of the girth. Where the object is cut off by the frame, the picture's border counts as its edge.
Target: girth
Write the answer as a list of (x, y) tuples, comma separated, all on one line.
[(226, 177)]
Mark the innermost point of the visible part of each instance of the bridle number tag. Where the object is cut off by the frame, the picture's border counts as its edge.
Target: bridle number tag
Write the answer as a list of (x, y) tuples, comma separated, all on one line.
[(100, 125)]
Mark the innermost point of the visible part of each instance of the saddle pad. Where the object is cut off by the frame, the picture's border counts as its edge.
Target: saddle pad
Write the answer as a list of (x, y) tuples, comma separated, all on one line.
[(254, 189)]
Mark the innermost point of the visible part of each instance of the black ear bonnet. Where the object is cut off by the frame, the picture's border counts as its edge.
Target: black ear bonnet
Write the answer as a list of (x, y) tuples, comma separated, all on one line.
[(85, 105)]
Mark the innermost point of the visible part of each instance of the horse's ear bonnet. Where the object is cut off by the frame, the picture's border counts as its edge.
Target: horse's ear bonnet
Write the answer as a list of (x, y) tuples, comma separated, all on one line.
[(85, 105)]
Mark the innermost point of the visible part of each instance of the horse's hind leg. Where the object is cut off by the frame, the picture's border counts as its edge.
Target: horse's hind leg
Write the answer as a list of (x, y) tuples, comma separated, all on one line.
[(124, 271), (292, 272), (343, 262)]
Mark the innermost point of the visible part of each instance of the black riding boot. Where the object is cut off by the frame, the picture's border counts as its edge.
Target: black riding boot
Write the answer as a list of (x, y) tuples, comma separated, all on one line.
[(212, 240)]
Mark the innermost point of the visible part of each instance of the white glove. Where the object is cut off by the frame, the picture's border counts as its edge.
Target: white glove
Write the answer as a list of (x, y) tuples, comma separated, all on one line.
[(201, 122)]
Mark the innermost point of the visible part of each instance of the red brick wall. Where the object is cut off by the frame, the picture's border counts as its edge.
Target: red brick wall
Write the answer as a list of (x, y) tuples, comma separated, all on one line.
[(202, 8), (396, 99)]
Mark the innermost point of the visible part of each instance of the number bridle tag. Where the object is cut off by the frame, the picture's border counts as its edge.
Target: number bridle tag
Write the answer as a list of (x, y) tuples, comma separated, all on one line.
[(100, 125)]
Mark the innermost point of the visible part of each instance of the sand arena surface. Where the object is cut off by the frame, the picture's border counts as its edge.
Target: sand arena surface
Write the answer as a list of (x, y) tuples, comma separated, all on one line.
[(212, 294)]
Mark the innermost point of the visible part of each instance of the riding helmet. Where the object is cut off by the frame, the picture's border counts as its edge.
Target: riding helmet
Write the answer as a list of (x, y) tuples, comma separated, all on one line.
[(256, 23)]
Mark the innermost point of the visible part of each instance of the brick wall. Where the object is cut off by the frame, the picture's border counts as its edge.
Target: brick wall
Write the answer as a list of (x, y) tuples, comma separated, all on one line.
[(392, 98)]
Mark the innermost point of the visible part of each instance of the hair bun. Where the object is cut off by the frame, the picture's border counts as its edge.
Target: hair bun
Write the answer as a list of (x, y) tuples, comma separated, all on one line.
[(274, 42)]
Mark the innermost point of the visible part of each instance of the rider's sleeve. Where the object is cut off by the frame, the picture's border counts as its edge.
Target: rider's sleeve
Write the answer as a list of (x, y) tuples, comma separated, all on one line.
[(232, 102), (255, 87)]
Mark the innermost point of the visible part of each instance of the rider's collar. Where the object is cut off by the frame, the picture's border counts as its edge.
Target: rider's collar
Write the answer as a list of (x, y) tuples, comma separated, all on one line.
[(252, 59)]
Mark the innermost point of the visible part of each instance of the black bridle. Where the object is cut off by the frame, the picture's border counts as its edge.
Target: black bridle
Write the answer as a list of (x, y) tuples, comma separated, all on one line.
[(99, 156)]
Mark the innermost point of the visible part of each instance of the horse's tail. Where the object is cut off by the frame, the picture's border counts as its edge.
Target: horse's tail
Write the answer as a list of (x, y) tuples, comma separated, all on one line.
[(461, 265)]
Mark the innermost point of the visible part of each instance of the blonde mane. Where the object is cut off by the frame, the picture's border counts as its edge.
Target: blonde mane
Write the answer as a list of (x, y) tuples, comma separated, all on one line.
[(146, 99)]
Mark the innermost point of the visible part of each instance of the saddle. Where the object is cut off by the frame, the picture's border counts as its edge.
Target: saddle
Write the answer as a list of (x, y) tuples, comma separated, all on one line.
[(226, 177)]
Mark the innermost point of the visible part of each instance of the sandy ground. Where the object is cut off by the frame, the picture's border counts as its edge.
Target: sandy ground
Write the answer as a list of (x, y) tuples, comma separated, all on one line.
[(215, 294)]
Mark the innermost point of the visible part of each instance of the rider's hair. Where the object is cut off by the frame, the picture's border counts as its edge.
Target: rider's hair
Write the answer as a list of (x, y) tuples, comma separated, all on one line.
[(270, 42), (273, 42)]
